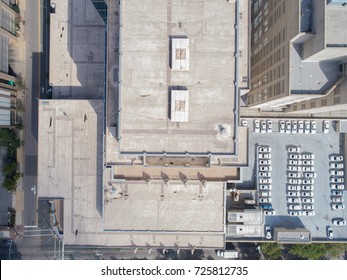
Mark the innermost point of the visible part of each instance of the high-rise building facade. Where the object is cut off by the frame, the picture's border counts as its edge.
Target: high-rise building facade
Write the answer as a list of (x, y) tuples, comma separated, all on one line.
[(101, 7)]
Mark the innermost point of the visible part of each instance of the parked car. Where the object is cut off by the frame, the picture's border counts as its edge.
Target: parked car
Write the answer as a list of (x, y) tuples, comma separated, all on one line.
[(263, 126), (256, 125), (295, 213), (337, 187), (307, 200), (293, 194), (339, 221), (265, 193), (293, 149), (269, 126), (310, 175), (265, 200), (307, 156), (295, 181), (336, 165), (313, 127), (265, 180), (336, 158), (308, 213), (243, 123), (288, 127), (281, 127), (307, 128), (330, 232), (307, 187), (264, 149), (265, 162), (326, 126), (307, 206), (307, 162), (337, 206), (268, 234), (265, 187), (264, 174), (337, 199), (294, 156), (294, 207), (307, 194), (337, 193), (294, 127), (269, 212), (308, 169), (265, 168), (336, 172), (336, 180), (293, 175), (300, 126), (264, 156), (294, 168), (293, 188), (293, 199), (265, 206), (308, 181), (295, 162)]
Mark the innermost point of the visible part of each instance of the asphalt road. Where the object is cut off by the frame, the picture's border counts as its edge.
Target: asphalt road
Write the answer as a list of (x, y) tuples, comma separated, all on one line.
[(37, 83)]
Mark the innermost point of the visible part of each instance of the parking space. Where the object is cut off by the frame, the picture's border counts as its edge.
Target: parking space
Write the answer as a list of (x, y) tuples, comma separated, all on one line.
[(314, 169)]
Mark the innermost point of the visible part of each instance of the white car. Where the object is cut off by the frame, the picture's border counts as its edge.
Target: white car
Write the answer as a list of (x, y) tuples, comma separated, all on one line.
[(265, 168), (281, 126), (293, 199), (243, 123), (313, 127), (265, 193), (307, 187), (337, 186), (308, 169), (295, 162), (264, 174), (293, 149), (288, 127), (339, 222), (330, 232), (307, 128), (295, 213), (337, 206), (307, 200), (293, 188), (338, 193), (295, 181), (264, 149), (307, 194), (264, 162), (308, 213), (293, 194), (336, 165), (307, 156), (263, 126), (256, 125), (269, 212), (294, 207), (307, 206), (336, 158), (269, 126), (337, 199), (294, 156), (265, 187), (300, 126), (294, 168), (294, 127), (264, 156), (294, 175), (310, 175), (265, 180), (265, 200), (307, 162), (308, 181), (336, 172), (268, 234), (326, 126), (336, 180)]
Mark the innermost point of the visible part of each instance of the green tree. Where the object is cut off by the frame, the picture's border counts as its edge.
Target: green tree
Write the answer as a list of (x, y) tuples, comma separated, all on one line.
[(336, 249), (309, 251), (9, 168), (271, 251)]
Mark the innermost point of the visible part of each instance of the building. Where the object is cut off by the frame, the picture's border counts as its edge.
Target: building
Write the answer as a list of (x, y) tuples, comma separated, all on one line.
[(298, 53), (7, 85), (101, 7)]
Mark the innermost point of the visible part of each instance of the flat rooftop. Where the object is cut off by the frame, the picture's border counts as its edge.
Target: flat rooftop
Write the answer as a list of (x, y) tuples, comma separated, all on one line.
[(147, 78)]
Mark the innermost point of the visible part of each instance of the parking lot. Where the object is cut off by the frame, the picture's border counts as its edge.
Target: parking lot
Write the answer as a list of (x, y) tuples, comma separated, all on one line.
[(321, 146)]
